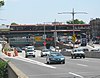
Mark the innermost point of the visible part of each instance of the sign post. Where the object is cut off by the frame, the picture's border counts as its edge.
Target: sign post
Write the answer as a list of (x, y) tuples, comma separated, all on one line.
[(73, 39)]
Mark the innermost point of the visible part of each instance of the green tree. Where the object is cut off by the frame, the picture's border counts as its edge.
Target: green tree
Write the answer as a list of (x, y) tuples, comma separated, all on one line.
[(76, 21), (14, 23), (1, 3)]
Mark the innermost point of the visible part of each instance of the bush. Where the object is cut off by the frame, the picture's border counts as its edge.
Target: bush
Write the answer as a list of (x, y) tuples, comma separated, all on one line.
[(3, 69)]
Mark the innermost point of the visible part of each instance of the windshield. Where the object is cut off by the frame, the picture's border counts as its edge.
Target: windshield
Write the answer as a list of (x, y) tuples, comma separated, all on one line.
[(30, 50), (78, 50), (56, 54)]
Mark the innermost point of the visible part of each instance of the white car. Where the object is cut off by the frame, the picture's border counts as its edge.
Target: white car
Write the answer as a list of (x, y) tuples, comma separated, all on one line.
[(95, 50), (45, 52), (28, 47), (30, 52), (77, 52), (52, 48)]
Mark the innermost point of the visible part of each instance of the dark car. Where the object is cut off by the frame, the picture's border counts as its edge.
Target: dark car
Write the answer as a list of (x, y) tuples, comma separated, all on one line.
[(55, 57)]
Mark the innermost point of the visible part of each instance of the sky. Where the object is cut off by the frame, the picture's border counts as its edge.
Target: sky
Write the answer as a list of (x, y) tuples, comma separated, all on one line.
[(46, 11)]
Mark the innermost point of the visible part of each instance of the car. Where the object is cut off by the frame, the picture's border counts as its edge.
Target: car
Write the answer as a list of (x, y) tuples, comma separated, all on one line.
[(66, 50), (85, 49), (44, 52), (52, 48), (95, 50), (77, 52), (30, 52), (55, 57), (28, 47)]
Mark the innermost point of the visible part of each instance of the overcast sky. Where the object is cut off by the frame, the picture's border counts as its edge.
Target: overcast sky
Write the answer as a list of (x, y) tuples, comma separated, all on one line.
[(40, 11)]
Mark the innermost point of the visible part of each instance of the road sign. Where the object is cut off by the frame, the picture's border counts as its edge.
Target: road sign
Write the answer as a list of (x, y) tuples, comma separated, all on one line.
[(38, 38), (74, 38), (44, 36), (44, 43)]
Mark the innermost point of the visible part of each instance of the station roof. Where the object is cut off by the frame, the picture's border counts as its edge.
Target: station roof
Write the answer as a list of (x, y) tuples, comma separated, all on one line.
[(52, 25)]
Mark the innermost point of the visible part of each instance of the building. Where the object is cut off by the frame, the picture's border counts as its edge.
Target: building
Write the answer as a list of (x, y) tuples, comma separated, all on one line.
[(95, 28), (21, 34), (48, 29)]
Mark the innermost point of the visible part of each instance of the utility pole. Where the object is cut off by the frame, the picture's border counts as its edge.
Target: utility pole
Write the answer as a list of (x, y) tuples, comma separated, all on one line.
[(73, 14)]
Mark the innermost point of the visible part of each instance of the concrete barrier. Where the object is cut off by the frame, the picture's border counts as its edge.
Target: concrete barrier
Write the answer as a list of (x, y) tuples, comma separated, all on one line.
[(87, 54), (13, 71)]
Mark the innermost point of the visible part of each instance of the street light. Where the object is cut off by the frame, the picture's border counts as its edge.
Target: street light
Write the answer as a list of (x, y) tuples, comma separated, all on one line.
[(44, 36), (73, 13), (55, 34), (44, 32)]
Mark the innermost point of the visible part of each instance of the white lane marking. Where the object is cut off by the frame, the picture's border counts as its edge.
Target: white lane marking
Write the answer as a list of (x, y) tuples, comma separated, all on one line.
[(83, 65), (76, 75), (35, 62), (52, 74)]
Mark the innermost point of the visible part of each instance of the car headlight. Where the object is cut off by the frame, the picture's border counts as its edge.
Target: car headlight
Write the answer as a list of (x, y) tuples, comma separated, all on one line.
[(62, 58)]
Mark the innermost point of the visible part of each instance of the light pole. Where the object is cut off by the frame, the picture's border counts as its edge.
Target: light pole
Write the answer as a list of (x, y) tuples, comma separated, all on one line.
[(73, 13), (55, 34), (44, 36)]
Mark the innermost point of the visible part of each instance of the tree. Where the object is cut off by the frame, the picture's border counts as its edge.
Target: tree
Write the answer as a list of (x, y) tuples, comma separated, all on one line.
[(14, 23), (76, 21), (1, 3)]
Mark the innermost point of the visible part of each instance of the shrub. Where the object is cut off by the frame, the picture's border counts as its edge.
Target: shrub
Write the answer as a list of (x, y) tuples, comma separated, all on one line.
[(3, 69)]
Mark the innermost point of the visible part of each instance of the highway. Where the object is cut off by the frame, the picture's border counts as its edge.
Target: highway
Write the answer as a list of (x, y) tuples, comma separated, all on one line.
[(73, 68)]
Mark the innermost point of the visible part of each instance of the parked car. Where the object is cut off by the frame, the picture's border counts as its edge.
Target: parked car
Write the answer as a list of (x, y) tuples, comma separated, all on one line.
[(45, 52), (55, 57), (77, 52), (30, 52)]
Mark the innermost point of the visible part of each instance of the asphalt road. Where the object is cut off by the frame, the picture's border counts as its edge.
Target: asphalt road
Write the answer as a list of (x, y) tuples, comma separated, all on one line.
[(73, 68)]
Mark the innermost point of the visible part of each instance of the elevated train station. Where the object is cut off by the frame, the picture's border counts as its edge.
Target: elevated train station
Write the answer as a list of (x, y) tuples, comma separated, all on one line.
[(38, 30)]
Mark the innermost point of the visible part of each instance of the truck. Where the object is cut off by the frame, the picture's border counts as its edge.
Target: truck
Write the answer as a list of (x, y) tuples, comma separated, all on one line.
[(83, 39)]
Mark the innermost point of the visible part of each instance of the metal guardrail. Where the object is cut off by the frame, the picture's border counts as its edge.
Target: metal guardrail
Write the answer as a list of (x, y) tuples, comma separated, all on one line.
[(87, 54)]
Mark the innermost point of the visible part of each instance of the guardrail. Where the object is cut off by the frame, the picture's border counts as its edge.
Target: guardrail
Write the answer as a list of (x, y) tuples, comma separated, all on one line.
[(13, 71), (87, 54)]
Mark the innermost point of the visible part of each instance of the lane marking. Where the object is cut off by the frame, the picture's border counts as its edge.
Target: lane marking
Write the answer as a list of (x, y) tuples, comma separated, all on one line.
[(76, 75), (50, 74), (35, 62), (83, 65)]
